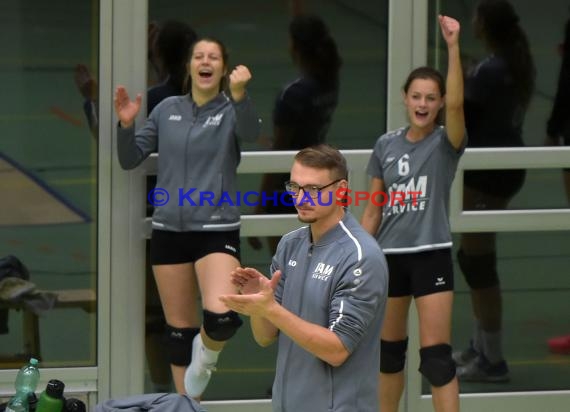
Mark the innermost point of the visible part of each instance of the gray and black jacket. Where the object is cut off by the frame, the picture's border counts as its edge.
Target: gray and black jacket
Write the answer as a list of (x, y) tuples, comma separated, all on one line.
[(150, 402), (341, 283), (199, 153)]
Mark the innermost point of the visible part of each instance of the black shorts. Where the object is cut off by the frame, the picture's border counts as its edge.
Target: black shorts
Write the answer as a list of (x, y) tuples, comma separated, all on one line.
[(499, 183), (420, 274), (168, 248)]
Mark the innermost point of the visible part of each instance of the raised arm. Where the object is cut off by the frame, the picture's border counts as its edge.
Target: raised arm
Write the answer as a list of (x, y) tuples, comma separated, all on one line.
[(87, 86), (125, 108), (133, 148), (247, 126), (454, 116)]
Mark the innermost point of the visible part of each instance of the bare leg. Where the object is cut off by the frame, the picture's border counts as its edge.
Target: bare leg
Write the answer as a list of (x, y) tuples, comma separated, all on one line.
[(391, 385), (178, 294), (434, 313), (213, 273), (446, 398)]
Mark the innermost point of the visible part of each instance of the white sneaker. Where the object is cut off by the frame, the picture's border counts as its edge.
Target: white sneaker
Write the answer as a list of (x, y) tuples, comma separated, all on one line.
[(197, 374)]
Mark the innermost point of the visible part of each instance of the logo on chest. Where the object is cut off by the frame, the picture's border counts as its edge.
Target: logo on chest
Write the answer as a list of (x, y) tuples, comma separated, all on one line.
[(213, 120), (322, 272)]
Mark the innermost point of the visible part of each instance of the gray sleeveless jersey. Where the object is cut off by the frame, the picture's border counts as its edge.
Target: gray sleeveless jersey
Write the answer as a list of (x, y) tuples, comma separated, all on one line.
[(417, 179)]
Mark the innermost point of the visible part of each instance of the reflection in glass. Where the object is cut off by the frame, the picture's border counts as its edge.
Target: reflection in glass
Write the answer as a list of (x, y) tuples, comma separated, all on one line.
[(535, 291), (527, 264), (49, 199), (261, 40), (304, 108), (497, 94)]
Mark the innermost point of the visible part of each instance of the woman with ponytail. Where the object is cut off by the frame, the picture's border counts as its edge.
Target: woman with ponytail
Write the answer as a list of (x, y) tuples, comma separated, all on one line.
[(497, 94), (304, 108)]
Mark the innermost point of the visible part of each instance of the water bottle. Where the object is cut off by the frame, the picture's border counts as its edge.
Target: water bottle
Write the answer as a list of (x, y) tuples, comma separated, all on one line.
[(51, 400), (26, 383), (17, 404)]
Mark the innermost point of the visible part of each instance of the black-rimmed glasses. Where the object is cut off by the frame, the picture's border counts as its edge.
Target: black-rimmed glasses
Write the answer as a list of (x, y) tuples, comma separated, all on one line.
[(312, 190)]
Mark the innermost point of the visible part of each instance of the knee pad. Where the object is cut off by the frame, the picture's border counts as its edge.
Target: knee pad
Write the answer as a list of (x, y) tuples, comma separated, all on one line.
[(480, 271), (179, 344), (393, 355), (437, 365), (221, 326)]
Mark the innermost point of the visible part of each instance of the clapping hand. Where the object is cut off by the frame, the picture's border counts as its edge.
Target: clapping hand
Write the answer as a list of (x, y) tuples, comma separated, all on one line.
[(256, 292)]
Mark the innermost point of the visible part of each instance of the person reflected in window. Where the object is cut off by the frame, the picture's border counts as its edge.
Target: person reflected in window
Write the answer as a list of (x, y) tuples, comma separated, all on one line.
[(497, 94), (168, 46), (558, 133), (197, 136), (303, 110), (416, 165), (558, 126), (88, 87)]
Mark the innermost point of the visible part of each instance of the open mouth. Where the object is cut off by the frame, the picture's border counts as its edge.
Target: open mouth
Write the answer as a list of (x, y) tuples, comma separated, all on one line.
[(422, 115), (205, 73)]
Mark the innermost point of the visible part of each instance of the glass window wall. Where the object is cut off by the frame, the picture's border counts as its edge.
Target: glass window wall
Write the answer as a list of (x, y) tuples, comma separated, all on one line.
[(48, 164)]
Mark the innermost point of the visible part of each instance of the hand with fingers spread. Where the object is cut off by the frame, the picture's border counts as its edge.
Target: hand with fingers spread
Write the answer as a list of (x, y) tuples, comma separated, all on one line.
[(247, 280), (257, 292), (449, 29), (125, 108), (239, 77)]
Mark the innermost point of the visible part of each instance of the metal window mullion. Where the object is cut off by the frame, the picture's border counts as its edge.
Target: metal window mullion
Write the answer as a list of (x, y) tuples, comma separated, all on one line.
[(125, 368)]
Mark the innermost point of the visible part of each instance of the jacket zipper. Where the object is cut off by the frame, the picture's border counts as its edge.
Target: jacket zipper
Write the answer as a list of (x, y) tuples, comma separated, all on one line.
[(192, 123)]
